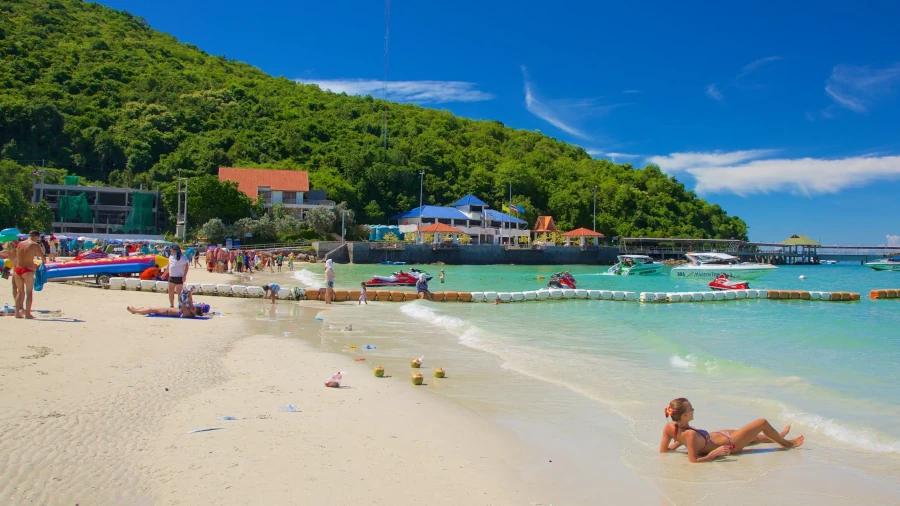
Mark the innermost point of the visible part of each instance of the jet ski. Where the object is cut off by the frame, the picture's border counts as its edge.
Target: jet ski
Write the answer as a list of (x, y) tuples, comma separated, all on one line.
[(722, 282), (562, 280), (399, 278)]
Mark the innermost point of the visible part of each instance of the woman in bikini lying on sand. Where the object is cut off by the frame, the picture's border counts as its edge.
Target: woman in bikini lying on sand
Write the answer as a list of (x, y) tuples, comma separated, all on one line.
[(705, 446)]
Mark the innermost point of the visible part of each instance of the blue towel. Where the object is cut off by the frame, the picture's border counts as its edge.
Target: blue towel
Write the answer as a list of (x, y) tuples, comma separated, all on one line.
[(40, 277), (166, 316)]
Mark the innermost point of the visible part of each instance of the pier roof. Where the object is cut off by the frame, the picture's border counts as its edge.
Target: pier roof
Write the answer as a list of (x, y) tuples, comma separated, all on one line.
[(799, 240)]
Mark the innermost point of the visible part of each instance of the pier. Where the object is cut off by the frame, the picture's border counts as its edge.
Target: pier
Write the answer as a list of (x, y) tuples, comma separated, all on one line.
[(763, 252)]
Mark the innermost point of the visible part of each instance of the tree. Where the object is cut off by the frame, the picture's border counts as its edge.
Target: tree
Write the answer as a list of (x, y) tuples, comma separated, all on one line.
[(214, 230), (321, 219), (209, 198), (97, 91)]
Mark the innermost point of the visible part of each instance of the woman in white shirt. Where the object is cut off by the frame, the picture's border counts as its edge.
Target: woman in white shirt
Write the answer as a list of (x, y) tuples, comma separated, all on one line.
[(329, 281), (178, 269)]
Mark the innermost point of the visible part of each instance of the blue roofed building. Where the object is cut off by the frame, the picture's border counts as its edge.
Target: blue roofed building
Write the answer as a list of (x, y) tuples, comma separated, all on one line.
[(469, 214)]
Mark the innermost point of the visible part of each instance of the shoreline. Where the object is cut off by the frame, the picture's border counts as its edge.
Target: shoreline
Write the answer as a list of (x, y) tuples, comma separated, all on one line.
[(101, 417)]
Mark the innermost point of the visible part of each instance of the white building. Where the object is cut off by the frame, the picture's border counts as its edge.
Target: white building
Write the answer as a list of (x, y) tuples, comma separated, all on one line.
[(471, 215)]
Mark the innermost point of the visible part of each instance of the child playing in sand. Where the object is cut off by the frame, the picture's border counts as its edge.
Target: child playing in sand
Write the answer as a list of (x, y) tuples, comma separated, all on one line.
[(362, 293), (273, 288)]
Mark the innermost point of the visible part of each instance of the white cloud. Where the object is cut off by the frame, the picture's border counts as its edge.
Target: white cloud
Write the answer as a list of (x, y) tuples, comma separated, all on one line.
[(893, 240), (541, 110), (691, 160), (752, 171), (755, 65), (716, 92), (712, 91), (421, 92), (858, 88), (611, 155)]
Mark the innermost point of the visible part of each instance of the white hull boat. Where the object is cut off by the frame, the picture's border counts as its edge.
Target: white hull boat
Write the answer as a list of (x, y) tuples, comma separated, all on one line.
[(885, 264), (635, 265), (709, 266)]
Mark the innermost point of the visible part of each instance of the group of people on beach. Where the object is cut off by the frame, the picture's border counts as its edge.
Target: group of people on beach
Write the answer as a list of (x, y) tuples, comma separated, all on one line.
[(226, 261)]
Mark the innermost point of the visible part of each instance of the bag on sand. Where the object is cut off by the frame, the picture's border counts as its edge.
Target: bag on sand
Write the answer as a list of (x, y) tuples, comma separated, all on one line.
[(335, 380)]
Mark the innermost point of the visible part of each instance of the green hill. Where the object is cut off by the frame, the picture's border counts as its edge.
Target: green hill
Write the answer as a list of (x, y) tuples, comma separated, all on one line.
[(100, 94)]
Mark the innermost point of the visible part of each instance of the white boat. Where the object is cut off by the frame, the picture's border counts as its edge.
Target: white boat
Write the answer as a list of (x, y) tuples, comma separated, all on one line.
[(888, 263), (712, 265), (635, 265), (828, 262)]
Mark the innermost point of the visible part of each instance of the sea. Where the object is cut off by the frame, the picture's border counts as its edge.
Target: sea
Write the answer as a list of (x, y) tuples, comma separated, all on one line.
[(564, 374)]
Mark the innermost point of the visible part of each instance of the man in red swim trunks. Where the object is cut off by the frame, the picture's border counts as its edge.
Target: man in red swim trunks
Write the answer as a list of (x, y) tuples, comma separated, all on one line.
[(24, 269)]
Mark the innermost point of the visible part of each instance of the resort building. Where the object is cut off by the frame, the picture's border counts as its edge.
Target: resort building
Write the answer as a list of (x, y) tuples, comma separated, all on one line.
[(472, 216), (101, 210), (287, 187)]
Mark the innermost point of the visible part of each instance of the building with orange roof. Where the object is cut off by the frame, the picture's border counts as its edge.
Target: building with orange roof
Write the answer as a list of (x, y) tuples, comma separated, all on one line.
[(277, 186)]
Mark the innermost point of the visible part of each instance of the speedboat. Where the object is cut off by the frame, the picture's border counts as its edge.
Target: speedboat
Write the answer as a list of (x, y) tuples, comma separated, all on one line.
[(722, 282), (399, 278), (562, 280), (711, 265), (635, 265), (888, 263), (828, 262)]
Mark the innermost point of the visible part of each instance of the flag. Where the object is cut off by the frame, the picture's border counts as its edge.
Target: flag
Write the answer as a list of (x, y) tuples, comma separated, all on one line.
[(520, 209), (505, 208)]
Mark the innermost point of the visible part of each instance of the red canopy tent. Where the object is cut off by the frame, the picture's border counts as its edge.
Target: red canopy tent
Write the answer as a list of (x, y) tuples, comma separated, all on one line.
[(440, 228), (582, 232)]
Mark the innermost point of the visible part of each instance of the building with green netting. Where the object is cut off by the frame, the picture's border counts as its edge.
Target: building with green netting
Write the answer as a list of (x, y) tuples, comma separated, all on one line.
[(100, 210)]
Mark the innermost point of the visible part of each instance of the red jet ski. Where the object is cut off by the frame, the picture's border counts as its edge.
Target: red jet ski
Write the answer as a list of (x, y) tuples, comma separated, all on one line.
[(723, 283), (562, 280), (398, 279)]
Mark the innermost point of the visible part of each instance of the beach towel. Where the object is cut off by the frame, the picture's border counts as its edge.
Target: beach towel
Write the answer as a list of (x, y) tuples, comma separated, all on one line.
[(180, 318), (40, 277)]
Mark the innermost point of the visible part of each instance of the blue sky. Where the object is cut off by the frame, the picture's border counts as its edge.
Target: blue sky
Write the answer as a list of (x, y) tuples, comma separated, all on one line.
[(785, 115)]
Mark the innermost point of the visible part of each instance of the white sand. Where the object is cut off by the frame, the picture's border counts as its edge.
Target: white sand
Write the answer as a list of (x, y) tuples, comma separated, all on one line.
[(86, 417)]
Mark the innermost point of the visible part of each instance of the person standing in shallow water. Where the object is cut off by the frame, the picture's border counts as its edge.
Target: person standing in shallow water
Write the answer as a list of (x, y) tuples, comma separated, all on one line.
[(706, 446), (329, 281)]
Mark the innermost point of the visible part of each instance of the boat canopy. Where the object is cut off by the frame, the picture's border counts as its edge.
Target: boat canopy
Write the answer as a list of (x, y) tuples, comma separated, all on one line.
[(644, 259), (712, 258)]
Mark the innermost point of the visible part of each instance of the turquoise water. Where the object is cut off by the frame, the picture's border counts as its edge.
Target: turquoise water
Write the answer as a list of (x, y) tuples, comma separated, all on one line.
[(829, 368)]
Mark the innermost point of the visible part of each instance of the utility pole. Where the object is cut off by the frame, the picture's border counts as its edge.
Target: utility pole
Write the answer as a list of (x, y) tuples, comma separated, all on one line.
[(184, 232), (595, 209), (419, 238), (343, 228), (510, 213), (42, 179)]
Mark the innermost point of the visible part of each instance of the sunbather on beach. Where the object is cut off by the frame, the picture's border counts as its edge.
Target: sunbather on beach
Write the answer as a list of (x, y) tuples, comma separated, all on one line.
[(185, 308), (706, 446)]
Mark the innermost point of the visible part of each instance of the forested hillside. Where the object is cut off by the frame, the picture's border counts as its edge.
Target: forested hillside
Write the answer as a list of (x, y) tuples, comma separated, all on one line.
[(100, 94)]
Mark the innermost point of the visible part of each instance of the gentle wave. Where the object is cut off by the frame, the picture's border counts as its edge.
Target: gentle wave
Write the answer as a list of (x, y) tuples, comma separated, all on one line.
[(692, 362), (419, 311), (865, 439), (309, 278)]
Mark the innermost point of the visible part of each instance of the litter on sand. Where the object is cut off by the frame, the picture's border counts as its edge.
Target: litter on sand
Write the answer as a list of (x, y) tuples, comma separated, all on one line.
[(320, 319), (207, 429), (228, 417), (289, 408)]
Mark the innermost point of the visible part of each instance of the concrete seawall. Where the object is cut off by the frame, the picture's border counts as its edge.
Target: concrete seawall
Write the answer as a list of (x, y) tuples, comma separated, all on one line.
[(373, 253)]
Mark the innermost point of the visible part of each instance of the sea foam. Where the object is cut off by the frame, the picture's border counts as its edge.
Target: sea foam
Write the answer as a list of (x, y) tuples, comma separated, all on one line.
[(421, 312), (310, 279), (861, 438)]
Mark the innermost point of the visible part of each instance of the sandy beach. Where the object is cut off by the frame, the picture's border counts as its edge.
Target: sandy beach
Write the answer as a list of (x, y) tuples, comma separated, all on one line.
[(96, 406)]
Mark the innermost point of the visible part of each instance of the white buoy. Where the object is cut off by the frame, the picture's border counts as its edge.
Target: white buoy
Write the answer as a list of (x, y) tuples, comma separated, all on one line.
[(802, 276)]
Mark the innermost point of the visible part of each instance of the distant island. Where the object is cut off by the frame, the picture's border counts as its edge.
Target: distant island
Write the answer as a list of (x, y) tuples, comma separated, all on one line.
[(97, 93)]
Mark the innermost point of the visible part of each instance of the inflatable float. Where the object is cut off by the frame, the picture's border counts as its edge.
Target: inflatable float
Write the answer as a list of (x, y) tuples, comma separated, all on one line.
[(105, 267)]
